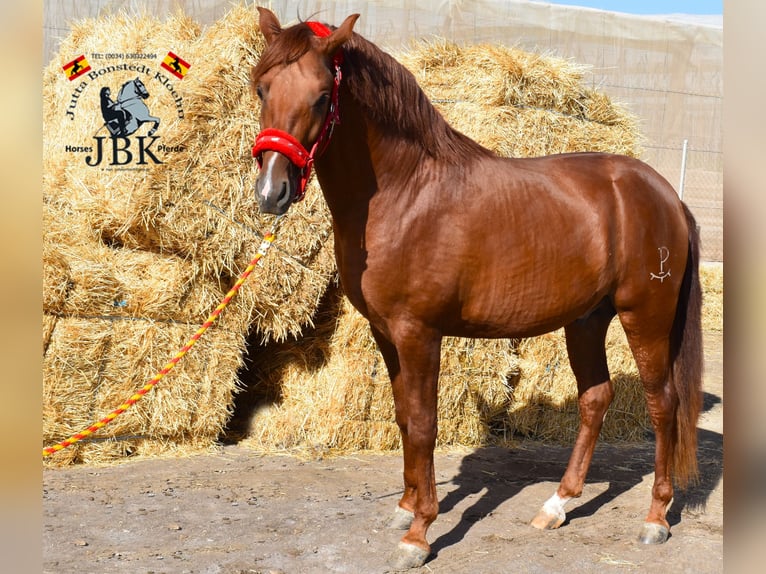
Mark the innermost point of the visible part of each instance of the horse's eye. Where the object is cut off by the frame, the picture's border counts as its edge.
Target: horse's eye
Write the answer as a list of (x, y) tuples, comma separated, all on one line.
[(259, 92), (321, 102)]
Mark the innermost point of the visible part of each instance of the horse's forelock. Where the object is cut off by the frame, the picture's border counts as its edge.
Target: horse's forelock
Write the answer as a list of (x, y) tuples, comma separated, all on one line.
[(287, 47)]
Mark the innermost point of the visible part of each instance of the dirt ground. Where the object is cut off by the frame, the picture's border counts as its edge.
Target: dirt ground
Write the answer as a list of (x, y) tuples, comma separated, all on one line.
[(237, 512)]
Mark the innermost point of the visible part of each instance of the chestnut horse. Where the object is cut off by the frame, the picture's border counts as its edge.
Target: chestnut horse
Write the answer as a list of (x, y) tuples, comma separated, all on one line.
[(436, 236)]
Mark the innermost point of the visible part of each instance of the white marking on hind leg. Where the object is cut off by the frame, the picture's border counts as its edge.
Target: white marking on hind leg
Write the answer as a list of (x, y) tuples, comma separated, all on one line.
[(552, 513), (555, 506)]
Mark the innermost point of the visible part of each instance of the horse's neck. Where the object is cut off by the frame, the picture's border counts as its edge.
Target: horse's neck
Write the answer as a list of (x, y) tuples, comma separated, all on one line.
[(345, 170), (390, 128)]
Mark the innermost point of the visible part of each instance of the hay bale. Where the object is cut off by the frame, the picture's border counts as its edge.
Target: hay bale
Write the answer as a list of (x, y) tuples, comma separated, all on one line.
[(197, 206), (93, 365), (49, 324), (711, 279), (520, 104), (544, 400), (139, 258), (330, 389), (507, 131), (56, 275)]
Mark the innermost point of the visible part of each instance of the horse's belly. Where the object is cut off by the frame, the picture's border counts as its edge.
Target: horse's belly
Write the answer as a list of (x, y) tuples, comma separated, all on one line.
[(530, 305)]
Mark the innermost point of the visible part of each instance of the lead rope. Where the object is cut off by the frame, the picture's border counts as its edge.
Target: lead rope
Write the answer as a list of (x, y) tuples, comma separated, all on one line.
[(268, 239)]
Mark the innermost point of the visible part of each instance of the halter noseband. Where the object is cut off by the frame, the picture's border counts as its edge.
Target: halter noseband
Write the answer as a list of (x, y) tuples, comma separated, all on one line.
[(271, 139)]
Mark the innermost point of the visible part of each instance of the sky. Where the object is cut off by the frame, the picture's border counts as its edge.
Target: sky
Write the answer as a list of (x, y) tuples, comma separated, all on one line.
[(650, 6)]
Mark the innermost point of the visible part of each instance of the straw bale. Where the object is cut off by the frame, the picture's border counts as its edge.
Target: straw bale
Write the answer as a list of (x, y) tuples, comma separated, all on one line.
[(135, 260), (86, 277), (520, 104), (92, 366), (515, 132), (544, 399), (711, 279), (56, 274), (496, 75), (331, 390), (49, 324), (197, 206)]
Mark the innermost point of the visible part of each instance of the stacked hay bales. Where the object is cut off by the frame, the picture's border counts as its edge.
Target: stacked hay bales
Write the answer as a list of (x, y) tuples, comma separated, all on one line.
[(520, 104), (135, 259)]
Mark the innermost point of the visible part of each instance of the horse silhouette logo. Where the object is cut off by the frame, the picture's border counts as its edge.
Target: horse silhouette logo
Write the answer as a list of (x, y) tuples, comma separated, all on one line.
[(124, 116), (176, 65)]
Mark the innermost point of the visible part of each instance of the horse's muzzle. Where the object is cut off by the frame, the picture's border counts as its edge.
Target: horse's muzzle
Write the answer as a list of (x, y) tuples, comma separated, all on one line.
[(275, 186)]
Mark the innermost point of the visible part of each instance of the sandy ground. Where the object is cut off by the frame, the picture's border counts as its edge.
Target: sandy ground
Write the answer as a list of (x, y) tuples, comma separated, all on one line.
[(237, 512)]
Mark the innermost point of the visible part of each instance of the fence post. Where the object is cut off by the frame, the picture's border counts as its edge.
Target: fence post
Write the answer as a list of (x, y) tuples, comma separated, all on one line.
[(683, 170)]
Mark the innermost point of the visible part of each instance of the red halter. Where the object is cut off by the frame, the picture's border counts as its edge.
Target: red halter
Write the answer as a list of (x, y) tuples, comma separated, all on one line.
[(271, 139)]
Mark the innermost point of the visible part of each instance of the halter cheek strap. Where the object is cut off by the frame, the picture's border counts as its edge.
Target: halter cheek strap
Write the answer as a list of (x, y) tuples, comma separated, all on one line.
[(271, 139)]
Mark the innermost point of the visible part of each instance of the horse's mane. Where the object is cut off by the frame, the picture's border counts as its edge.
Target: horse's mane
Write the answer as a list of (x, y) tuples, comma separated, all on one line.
[(387, 92), (391, 96)]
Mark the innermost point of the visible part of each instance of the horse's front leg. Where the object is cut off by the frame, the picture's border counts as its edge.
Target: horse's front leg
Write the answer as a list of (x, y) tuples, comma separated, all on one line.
[(413, 363)]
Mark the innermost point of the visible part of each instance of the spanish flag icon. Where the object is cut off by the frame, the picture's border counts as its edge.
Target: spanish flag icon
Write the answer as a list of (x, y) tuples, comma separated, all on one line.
[(76, 68), (175, 65)]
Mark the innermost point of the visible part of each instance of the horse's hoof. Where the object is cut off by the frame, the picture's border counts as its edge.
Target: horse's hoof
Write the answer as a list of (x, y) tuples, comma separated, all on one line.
[(402, 519), (407, 556), (546, 521), (652, 533)]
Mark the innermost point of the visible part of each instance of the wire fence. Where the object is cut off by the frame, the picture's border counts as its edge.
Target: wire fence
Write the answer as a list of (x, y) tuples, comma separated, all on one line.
[(699, 182)]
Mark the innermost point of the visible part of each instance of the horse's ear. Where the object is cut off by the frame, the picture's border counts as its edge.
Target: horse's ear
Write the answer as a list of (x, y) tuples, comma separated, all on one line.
[(341, 35), (269, 24)]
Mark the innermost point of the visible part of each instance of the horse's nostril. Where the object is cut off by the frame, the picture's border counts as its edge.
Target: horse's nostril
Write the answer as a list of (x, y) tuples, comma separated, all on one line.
[(283, 194)]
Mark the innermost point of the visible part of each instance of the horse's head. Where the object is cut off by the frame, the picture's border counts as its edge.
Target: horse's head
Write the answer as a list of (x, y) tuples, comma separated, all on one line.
[(140, 89), (132, 89), (296, 81)]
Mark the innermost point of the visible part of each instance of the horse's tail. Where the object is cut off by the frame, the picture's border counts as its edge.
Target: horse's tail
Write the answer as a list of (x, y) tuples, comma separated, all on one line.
[(687, 361)]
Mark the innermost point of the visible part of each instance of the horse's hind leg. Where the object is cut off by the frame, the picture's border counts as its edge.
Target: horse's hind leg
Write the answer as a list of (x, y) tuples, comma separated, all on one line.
[(648, 336), (586, 349)]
